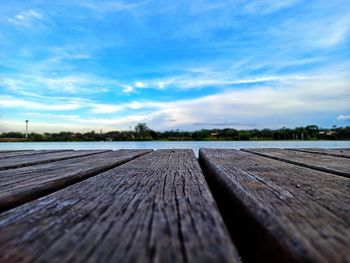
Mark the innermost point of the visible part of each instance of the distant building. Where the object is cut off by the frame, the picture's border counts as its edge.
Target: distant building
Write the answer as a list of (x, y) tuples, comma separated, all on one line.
[(331, 133)]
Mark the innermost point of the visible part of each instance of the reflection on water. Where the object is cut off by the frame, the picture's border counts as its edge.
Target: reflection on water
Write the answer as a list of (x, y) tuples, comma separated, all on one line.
[(195, 145)]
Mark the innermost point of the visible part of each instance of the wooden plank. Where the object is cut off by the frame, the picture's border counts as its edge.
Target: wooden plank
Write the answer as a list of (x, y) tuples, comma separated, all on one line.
[(5, 151), (22, 153), (344, 149), (27, 160), (325, 151), (156, 208), (14, 153), (280, 212), (336, 165), (21, 185), (8, 151)]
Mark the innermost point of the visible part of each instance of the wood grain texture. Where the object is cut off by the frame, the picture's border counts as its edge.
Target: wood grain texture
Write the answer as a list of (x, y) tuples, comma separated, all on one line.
[(156, 208), (7, 151), (27, 160), (280, 212), (336, 165), (21, 185), (27, 152), (345, 149), (10, 152), (330, 152)]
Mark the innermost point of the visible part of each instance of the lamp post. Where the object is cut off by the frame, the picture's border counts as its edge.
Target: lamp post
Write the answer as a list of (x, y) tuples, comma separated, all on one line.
[(27, 128)]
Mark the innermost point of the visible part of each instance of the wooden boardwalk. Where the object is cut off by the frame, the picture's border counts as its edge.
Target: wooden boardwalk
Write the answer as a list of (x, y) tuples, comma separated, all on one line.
[(251, 205)]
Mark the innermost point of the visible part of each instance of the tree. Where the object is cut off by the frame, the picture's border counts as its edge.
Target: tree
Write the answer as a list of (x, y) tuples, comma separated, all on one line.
[(141, 128), (312, 131)]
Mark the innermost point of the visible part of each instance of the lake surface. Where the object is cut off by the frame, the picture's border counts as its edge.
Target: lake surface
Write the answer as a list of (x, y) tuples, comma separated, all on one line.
[(195, 145)]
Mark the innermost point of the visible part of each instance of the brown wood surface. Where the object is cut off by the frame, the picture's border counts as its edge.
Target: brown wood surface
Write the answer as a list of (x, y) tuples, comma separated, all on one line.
[(325, 151), (26, 152), (280, 212), (156, 208), (24, 184), (331, 164), (27, 160)]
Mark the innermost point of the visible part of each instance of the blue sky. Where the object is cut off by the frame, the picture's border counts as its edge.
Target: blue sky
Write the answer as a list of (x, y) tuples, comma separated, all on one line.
[(91, 65)]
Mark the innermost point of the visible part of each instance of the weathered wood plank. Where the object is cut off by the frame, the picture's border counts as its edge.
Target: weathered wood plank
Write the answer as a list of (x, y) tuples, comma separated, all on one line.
[(156, 208), (330, 164), (344, 149), (280, 212), (6, 151), (27, 160), (21, 185), (325, 151), (12, 151), (24, 152)]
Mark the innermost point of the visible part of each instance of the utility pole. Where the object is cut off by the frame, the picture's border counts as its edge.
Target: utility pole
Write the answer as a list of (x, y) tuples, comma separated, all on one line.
[(27, 128)]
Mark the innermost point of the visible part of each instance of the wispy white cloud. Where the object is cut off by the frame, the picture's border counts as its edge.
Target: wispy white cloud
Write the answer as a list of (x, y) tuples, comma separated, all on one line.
[(44, 126), (332, 33), (258, 107), (309, 33), (105, 6), (343, 118), (65, 117), (99, 108), (25, 18), (217, 79), (127, 88), (245, 108), (104, 108), (79, 56), (139, 84), (12, 102), (267, 6), (66, 84)]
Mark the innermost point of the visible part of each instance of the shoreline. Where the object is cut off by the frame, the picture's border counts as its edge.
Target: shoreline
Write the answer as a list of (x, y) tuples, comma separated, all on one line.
[(311, 140)]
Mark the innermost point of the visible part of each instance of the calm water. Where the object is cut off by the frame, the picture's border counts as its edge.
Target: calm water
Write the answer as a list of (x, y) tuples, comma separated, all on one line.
[(195, 145)]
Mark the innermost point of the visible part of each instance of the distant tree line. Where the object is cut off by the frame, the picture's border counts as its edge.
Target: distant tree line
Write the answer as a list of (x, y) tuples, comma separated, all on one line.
[(143, 133)]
